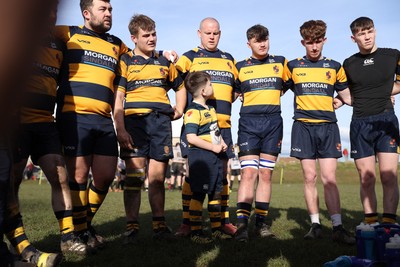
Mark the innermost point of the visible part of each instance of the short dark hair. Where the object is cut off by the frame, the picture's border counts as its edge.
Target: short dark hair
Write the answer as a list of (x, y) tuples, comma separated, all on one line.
[(257, 31), (361, 24), (139, 21), (86, 4), (196, 80), (313, 30)]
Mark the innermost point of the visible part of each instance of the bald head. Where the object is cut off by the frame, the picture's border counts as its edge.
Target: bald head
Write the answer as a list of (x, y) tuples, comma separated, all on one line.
[(207, 21), (209, 33)]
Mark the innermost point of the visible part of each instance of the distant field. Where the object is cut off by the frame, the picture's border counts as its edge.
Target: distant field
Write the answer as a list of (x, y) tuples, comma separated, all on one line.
[(288, 216)]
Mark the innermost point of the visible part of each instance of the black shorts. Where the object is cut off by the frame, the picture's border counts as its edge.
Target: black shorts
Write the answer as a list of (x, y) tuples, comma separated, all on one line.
[(37, 140), (235, 172), (83, 139), (152, 136), (205, 168), (176, 169), (315, 140), (372, 134), (260, 134)]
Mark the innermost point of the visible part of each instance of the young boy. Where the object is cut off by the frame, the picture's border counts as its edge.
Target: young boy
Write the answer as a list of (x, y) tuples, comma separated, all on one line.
[(205, 165), (143, 122)]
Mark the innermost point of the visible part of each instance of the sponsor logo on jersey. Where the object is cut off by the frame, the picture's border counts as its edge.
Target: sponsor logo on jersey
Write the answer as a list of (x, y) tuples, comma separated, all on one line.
[(369, 61), (204, 63), (99, 59), (325, 65), (301, 74), (83, 41)]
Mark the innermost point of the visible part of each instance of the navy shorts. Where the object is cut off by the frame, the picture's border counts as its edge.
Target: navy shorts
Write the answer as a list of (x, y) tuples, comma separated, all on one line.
[(315, 140), (37, 140), (205, 168), (152, 136), (184, 145), (372, 134), (260, 134), (83, 139)]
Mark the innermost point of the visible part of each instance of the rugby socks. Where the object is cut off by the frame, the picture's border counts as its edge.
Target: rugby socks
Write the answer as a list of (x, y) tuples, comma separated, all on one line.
[(371, 218), (79, 196), (243, 213), (195, 213), (15, 232), (225, 202), (214, 211), (336, 219), (186, 197), (389, 218), (261, 210), (159, 224), (132, 225), (96, 198), (65, 221), (315, 218)]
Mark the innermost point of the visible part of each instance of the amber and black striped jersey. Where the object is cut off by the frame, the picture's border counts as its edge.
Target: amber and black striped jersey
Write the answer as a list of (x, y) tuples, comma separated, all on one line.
[(313, 85), (371, 80), (203, 122), (221, 67), (40, 95), (145, 83), (88, 72), (261, 83)]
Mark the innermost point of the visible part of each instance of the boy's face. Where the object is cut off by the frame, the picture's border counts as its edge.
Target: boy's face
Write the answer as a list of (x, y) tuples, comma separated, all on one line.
[(314, 48), (259, 49), (145, 41), (365, 39), (208, 90)]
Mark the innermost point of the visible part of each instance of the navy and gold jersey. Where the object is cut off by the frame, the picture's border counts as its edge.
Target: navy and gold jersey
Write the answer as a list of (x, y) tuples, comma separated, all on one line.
[(203, 122), (313, 85), (221, 67), (88, 71), (371, 78), (40, 94), (261, 83), (145, 83)]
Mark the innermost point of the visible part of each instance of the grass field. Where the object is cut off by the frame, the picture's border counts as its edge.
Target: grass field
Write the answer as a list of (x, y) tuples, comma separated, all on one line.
[(288, 216)]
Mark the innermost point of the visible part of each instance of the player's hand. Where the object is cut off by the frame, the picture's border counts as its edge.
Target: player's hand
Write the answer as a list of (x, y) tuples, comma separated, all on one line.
[(125, 139), (171, 55), (337, 103), (177, 114), (224, 146), (217, 148)]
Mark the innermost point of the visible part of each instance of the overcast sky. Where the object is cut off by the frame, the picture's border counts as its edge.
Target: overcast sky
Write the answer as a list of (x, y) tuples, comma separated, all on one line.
[(177, 22)]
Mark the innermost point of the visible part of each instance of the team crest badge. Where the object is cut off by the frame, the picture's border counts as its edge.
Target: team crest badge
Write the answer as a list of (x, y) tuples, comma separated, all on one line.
[(166, 149), (162, 71), (328, 75), (115, 51)]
